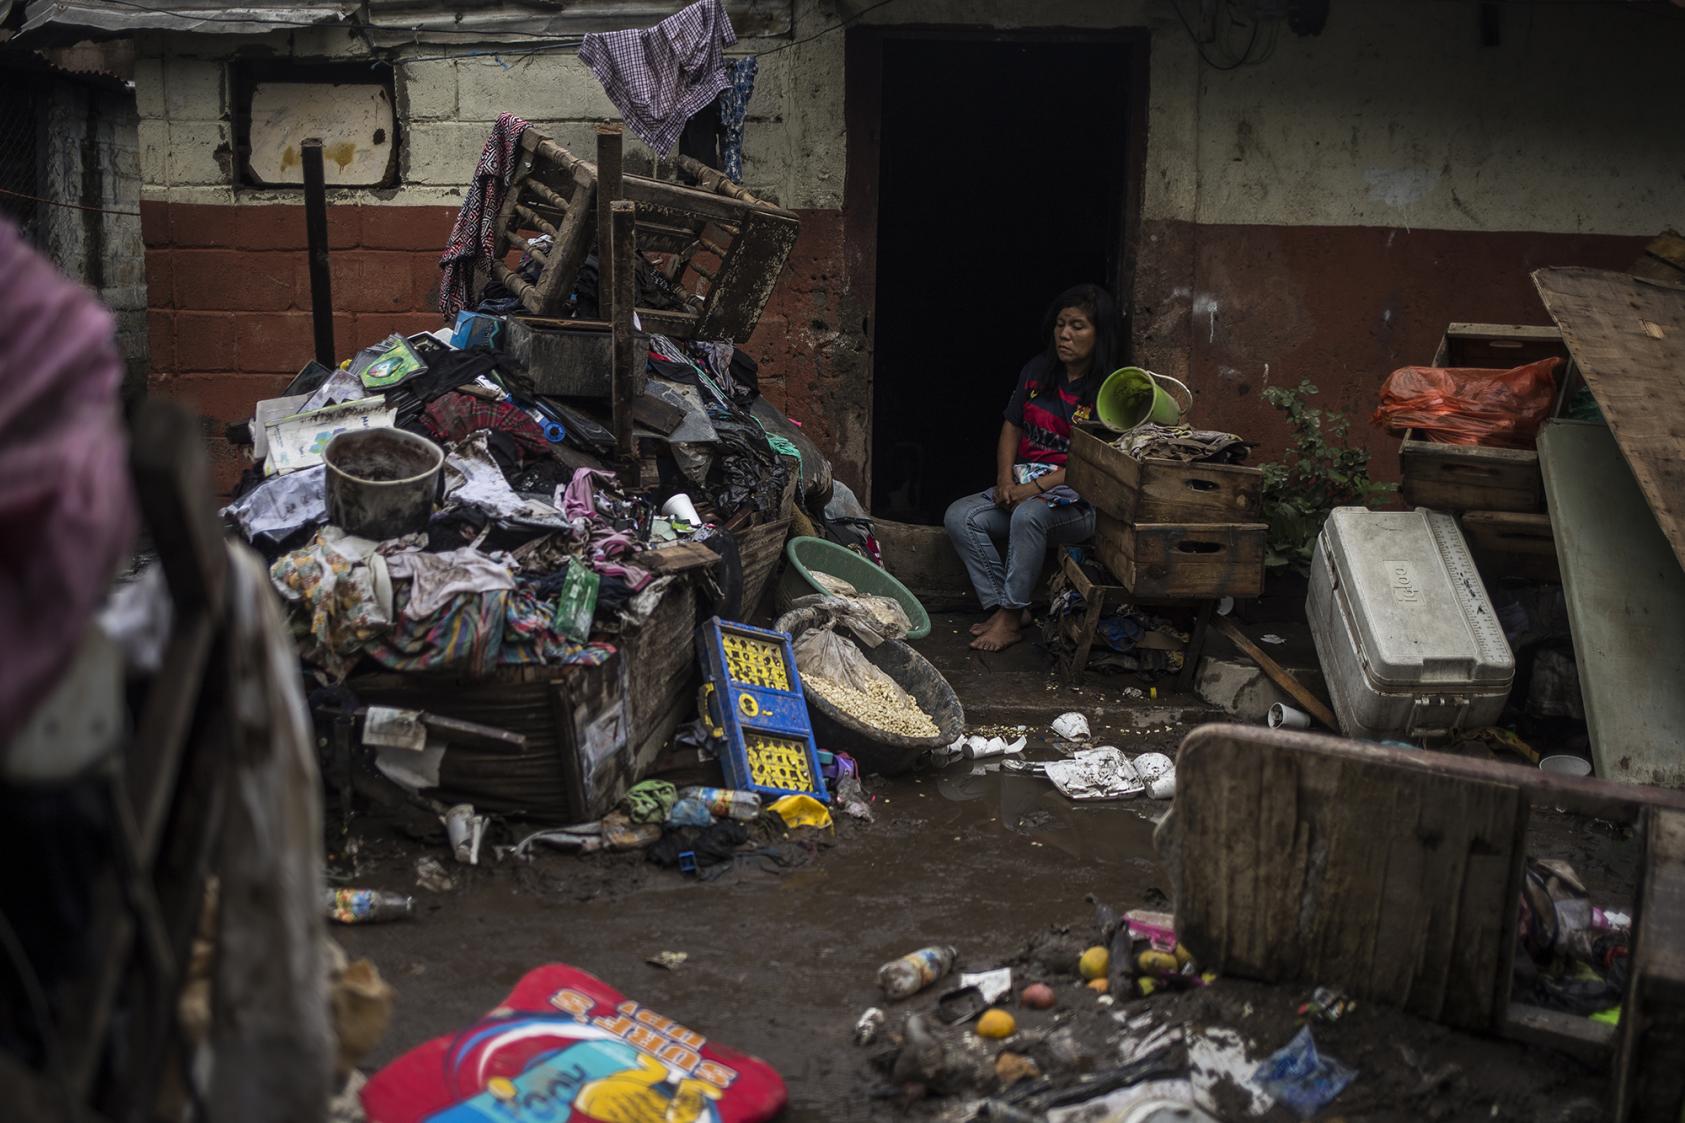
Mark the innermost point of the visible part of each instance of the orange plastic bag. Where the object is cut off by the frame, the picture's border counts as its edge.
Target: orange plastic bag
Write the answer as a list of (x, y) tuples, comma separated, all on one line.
[(1469, 405)]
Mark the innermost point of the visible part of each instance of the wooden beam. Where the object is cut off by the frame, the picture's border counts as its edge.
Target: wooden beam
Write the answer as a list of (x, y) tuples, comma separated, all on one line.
[(610, 185), (1279, 675), (624, 251)]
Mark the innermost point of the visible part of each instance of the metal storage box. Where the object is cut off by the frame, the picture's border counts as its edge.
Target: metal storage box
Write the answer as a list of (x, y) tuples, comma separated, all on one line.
[(1408, 641)]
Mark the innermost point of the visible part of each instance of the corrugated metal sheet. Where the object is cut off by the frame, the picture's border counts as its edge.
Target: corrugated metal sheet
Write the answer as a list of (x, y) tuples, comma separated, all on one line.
[(394, 22)]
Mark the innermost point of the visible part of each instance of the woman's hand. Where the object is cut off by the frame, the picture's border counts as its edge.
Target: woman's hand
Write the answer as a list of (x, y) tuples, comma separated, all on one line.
[(1004, 487), (1014, 494)]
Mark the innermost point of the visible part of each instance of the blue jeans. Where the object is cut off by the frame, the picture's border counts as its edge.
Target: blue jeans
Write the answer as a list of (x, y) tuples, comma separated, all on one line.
[(975, 524)]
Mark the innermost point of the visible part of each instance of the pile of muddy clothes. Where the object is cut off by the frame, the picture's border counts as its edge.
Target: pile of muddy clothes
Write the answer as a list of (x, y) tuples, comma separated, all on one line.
[(423, 509)]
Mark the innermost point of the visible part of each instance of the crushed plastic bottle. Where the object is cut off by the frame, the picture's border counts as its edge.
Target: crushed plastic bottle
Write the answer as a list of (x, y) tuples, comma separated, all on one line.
[(726, 803), (915, 971), (866, 1030), (366, 906)]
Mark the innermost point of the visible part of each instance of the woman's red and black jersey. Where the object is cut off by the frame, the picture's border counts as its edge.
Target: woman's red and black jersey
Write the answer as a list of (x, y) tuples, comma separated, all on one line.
[(1043, 406)]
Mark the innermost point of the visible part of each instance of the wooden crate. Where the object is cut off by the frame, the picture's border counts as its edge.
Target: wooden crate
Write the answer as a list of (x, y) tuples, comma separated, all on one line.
[(1183, 561), (1470, 477), (720, 246), (1512, 544), (1161, 491)]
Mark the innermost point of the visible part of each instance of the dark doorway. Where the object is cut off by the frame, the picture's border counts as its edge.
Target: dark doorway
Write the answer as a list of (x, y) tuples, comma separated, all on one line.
[(1003, 179)]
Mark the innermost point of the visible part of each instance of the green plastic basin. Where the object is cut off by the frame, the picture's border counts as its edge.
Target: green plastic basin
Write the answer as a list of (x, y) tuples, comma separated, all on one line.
[(808, 556)]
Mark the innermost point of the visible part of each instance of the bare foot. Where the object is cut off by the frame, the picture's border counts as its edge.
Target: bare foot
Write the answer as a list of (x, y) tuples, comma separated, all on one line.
[(1001, 633), (983, 626)]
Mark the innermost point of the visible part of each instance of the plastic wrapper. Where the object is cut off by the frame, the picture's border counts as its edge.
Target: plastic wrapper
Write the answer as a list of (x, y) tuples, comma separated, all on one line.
[(822, 653), (870, 622), (1470, 405)]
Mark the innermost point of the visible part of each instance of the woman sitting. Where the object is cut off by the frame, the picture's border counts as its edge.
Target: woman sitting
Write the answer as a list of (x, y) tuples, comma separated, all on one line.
[(1030, 505)]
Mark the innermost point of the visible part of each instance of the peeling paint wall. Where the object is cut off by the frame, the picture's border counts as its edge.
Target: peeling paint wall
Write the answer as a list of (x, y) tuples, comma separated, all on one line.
[(1321, 215)]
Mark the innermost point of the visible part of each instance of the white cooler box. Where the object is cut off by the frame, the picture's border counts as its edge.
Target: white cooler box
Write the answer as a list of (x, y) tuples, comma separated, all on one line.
[(1409, 644)]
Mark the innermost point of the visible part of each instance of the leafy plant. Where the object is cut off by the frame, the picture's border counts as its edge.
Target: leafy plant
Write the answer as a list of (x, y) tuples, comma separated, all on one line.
[(1320, 472)]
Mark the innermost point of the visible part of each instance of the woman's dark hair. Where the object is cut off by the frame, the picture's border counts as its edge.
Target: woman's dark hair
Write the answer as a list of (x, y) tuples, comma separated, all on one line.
[(1108, 333)]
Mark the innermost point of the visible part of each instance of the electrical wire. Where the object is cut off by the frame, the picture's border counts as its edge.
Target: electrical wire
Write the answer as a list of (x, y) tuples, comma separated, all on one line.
[(57, 203)]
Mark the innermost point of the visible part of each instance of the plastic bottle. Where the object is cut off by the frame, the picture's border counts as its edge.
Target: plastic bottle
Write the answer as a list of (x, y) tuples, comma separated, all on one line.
[(726, 803), (912, 973), (366, 906)]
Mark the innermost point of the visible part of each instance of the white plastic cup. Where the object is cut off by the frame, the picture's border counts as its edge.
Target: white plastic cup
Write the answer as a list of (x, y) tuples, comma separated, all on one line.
[(1286, 717), (680, 507)]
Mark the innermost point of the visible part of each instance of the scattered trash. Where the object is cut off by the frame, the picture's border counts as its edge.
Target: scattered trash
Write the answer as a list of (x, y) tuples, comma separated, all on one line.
[(993, 985), (801, 811), (1095, 774), (689, 812), (962, 1005), (1158, 772), (870, 1024), (567, 1041), (1327, 1004), (977, 748), (1271, 637), (668, 960), (1037, 996), (1100, 986), (726, 803), (996, 1024), (1011, 1068), (430, 875), (1094, 964), (465, 830), (1071, 726), (1285, 716), (1301, 1078), (366, 906), (913, 972)]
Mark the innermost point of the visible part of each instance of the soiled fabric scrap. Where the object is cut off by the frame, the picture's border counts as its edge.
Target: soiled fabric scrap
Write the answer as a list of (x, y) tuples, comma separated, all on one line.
[(658, 77), (472, 238), (453, 416), (650, 801), (605, 544), (339, 596), (281, 505), (476, 632), (734, 111), (1179, 442), (473, 479), (1095, 774), (436, 578)]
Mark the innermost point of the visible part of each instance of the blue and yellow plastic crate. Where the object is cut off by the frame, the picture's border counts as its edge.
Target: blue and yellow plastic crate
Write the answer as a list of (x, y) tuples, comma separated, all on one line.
[(756, 704)]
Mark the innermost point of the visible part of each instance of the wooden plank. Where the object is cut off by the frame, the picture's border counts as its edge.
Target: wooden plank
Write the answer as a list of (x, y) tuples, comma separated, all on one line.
[(1649, 1071), (1668, 247), (1627, 336), (1625, 592), (1468, 477), (1581, 1038), (1319, 860), (1278, 674), (1512, 544)]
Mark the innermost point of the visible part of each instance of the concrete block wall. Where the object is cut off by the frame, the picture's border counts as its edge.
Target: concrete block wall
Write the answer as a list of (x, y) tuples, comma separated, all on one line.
[(1321, 215)]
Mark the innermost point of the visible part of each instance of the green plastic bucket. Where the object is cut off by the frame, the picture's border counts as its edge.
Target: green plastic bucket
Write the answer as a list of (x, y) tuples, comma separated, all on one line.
[(1132, 396), (808, 555)]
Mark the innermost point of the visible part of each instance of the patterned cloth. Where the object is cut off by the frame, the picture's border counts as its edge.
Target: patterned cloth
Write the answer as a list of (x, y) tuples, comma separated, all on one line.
[(659, 77), (454, 416), (734, 110), (475, 232)]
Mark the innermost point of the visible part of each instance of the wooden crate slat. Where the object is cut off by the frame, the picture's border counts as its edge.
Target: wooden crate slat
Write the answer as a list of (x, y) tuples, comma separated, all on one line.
[(1183, 561), (1158, 490)]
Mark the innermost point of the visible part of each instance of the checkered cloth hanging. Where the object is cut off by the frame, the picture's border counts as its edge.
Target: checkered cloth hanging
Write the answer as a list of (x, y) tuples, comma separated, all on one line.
[(658, 77)]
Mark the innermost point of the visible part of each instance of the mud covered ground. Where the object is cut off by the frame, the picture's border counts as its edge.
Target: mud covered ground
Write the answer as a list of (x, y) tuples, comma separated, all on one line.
[(782, 961)]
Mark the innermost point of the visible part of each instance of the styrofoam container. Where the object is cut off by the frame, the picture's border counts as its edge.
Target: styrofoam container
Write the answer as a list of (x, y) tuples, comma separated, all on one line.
[(1409, 644)]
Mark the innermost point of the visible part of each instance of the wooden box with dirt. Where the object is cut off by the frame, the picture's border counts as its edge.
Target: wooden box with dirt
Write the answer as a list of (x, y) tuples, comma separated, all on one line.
[(1158, 490), (1183, 561), (1449, 477)]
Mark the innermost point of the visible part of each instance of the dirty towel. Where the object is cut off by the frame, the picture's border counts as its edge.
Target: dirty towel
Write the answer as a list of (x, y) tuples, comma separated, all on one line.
[(734, 110), (659, 77), (473, 237), (649, 801), (579, 506), (436, 578), (476, 632), (565, 1041)]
